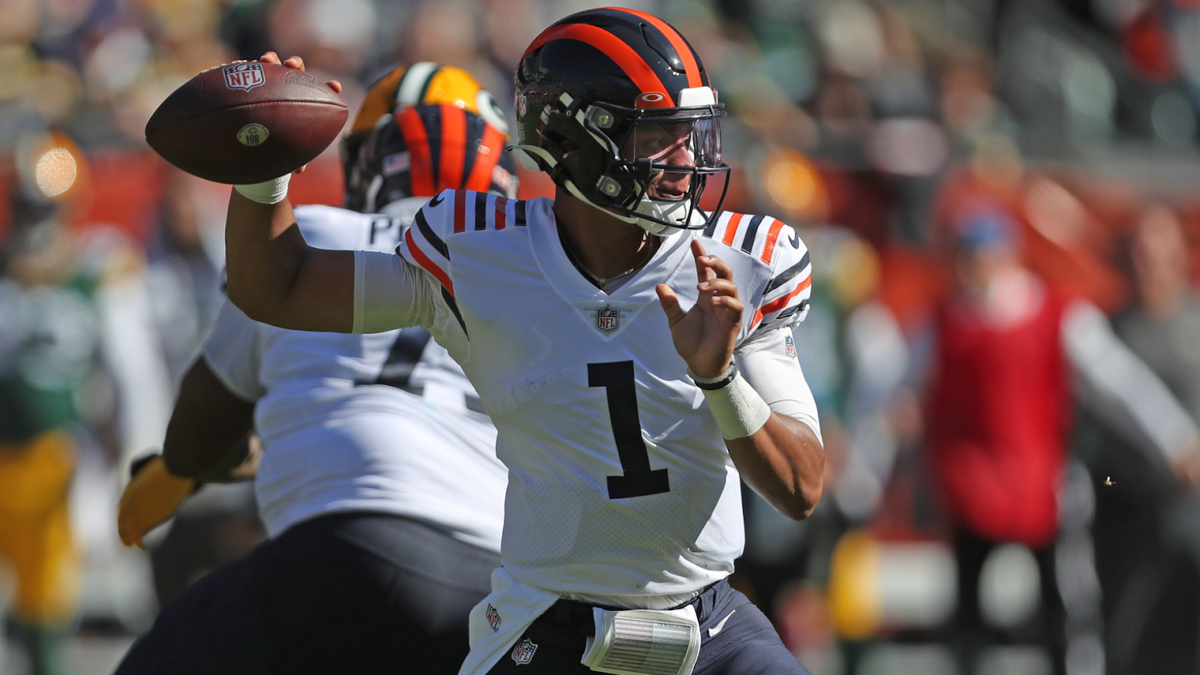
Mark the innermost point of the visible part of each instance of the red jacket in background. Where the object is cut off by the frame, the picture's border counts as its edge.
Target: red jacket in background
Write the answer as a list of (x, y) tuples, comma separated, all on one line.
[(998, 415)]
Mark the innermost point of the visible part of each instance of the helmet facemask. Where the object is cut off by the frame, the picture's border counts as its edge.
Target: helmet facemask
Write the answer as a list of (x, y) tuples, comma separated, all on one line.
[(645, 165)]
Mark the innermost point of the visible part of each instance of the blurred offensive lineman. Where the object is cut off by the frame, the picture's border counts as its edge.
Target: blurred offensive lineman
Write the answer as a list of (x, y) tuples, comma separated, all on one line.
[(634, 352), (378, 480)]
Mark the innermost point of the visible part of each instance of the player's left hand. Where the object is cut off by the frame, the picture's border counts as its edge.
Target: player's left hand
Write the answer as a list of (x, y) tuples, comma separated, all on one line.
[(152, 496), (706, 334)]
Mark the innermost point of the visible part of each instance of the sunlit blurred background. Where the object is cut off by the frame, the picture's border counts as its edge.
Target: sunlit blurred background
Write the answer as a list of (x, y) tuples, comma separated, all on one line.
[(866, 124)]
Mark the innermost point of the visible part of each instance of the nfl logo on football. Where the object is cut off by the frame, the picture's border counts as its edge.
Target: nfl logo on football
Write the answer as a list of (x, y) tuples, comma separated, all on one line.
[(608, 318), (244, 76), (523, 652)]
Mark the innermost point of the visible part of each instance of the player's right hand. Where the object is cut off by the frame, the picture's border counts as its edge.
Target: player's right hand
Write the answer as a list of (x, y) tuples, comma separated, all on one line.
[(297, 63), (152, 496)]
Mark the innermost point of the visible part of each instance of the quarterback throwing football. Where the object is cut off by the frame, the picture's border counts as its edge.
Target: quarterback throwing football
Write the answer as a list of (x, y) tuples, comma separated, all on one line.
[(631, 349)]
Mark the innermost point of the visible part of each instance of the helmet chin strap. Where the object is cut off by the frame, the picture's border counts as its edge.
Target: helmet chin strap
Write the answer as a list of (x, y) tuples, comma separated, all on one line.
[(671, 212)]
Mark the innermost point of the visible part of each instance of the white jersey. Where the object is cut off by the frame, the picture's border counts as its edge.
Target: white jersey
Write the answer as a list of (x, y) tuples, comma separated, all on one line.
[(382, 423), (620, 484)]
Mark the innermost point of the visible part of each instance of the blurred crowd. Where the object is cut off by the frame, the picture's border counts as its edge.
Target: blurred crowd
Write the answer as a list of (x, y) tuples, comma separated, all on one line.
[(882, 129)]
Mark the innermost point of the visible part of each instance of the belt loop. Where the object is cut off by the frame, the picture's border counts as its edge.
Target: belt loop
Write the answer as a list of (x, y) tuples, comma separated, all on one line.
[(706, 602)]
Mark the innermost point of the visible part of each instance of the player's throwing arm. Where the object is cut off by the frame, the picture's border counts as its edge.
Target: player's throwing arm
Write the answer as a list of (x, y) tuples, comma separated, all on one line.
[(251, 124)]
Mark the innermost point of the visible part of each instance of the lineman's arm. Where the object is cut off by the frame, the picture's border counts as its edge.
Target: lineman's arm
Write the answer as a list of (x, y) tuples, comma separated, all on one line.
[(781, 458), (208, 440)]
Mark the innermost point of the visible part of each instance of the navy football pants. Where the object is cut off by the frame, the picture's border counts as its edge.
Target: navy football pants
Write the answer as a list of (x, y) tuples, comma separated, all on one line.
[(342, 593), (736, 638)]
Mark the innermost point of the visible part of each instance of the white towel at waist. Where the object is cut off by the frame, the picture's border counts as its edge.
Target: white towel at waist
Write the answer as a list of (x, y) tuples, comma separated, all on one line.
[(500, 618)]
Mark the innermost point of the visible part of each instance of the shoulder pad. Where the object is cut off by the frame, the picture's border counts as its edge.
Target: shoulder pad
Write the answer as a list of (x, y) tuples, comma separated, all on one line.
[(424, 243), (482, 211), (756, 236)]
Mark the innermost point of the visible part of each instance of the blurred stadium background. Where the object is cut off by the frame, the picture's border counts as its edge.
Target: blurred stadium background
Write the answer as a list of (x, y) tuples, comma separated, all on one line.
[(864, 123)]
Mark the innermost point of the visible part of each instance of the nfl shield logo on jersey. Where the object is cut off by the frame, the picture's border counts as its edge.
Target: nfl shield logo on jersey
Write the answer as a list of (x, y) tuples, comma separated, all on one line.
[(608, 318), (493, 618), (523, 652), (244, 76)]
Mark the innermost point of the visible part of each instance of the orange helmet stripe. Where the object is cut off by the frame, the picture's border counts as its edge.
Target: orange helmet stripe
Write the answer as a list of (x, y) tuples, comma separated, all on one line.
[(614, 48), (486, 160)]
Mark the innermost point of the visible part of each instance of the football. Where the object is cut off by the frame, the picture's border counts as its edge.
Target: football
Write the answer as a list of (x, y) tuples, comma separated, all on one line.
[(246, 122)]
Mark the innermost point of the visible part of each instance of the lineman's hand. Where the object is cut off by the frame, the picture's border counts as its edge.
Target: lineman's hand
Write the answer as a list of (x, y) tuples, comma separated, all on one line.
[(705, 334), (152, 496)]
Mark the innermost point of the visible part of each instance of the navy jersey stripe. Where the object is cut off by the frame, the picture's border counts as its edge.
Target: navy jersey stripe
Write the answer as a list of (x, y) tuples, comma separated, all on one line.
[(450, 302), (787, 274), (751, 233), (519, 214), (481, 211), (427, 232)]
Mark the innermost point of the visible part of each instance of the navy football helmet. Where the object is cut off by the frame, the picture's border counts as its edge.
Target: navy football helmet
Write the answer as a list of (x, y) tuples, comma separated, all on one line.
[(615, 105)]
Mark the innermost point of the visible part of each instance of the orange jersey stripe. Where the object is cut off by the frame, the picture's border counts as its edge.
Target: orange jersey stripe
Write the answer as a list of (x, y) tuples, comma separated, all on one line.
[(614, 48), (772, 235), (780, 303), (420, 162), (486, 159), (501, 212), (731, 228), (690, 66), (460, 211), (454, 148)]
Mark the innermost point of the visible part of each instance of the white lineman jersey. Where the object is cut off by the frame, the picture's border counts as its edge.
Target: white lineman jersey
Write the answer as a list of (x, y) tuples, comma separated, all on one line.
[(620, 484), (383, 423)]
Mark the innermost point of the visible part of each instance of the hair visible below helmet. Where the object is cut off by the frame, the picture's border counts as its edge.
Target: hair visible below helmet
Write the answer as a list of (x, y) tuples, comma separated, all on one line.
[(424, 149), (421, 83), (590, 84)]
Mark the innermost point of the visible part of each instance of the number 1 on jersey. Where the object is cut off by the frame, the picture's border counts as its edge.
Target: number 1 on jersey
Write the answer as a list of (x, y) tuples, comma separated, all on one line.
[(639, 479)]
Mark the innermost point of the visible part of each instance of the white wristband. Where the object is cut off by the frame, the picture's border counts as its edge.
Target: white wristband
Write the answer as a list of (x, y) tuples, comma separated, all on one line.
[(739, 410), (267, 192)]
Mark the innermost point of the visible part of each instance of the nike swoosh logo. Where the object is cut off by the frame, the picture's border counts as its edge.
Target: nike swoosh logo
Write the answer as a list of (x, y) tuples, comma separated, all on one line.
[(794, 240), (712, 632), (437, 200)]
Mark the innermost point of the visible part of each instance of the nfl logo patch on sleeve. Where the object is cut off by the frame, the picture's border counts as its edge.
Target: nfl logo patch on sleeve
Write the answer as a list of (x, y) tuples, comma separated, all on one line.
[(493, 618), (523, 652)]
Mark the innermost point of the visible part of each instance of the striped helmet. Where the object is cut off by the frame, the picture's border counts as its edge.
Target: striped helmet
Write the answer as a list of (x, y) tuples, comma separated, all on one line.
[(420, 150), (615, 105), (418, 83)]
